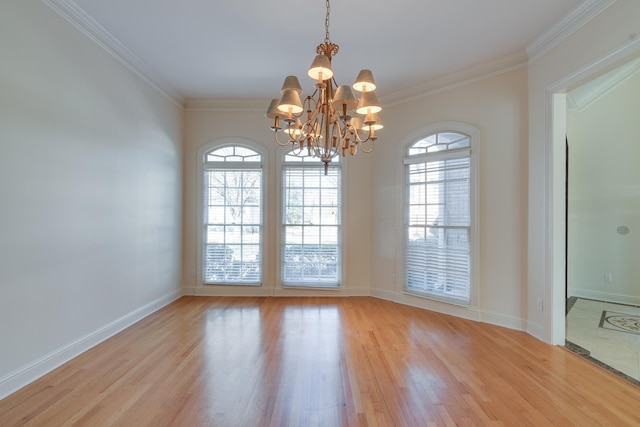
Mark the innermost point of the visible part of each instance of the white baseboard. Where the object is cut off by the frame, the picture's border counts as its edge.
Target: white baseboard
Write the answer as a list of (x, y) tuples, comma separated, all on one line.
[(452, 310), (504, 321), (535, 331), (227, 291), (36, 369), (259, 291), (606, 296)]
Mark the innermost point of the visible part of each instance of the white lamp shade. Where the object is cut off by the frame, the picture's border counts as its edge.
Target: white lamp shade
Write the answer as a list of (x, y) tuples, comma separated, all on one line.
[(368, 103), (273, 111), (356, 122), (344, 96), (290, 102), (294, 130), (375, 122), (320, 68), (364, 82), (291, 82)]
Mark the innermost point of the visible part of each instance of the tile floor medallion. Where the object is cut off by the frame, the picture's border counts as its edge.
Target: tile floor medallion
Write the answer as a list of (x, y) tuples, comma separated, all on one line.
[(607, 334), (620, 322)]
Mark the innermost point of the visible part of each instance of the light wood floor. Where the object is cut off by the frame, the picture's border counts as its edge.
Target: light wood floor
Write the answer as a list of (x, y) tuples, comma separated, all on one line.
[(209, 361)]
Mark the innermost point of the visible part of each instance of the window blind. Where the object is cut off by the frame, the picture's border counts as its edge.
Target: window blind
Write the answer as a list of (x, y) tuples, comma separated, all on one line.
[(311, 226), (232, 226), (437, 252)]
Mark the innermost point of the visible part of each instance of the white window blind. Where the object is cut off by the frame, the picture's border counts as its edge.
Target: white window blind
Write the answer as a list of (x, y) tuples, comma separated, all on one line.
[(311, 249), (437, 258), (232, 217)]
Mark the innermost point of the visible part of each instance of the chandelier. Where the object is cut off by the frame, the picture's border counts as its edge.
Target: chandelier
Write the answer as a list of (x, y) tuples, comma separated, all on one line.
[(336, 121)]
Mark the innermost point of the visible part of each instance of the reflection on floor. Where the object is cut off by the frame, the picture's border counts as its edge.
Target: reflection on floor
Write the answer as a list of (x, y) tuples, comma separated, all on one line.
[(607, 333)]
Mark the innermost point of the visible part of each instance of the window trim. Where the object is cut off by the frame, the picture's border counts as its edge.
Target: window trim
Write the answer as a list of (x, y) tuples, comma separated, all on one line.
[(202, 167), (474, 234)]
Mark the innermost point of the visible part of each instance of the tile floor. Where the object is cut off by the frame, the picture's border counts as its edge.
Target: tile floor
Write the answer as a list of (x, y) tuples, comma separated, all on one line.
[(603, 341)]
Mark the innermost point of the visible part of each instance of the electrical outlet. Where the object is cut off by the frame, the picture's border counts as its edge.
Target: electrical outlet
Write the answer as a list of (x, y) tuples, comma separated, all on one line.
[(608, 277), (193, 273), (539, 304)]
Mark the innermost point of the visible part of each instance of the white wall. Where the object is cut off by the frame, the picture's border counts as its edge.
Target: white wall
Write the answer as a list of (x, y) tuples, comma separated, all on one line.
[(604, 193), (90, 193), (607, 38), (205, 127), (497, 107)]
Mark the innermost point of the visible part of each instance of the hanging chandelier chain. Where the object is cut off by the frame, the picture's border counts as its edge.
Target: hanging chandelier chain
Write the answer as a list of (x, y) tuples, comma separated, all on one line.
[(326, 24)]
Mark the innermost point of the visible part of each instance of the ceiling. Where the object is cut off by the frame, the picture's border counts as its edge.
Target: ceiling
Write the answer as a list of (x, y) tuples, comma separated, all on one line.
[(243, 49)]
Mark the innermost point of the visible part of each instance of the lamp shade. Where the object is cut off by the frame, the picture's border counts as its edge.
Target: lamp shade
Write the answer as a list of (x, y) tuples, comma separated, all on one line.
[(356, 122), (273, 111), (291, 82), (344, 96), (364, 82), (320, 68), (368, 103), (295, 129), (290, 102), (375, 122)]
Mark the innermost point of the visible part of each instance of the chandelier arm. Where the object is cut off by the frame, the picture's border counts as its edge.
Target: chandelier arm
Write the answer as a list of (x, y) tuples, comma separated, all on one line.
[(280, 143), (310, 103), (363, 145), (342, 134), (357, 137)]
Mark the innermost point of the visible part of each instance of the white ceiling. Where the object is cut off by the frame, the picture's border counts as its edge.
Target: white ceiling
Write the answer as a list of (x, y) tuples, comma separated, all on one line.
[(243, 49)]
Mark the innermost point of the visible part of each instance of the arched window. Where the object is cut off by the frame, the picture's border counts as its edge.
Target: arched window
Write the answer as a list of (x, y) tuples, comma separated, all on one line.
[(311, 224), (232, 229), (439, 217)]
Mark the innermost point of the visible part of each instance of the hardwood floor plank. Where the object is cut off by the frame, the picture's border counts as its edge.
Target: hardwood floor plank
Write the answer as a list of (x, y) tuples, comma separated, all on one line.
[(223, 361)]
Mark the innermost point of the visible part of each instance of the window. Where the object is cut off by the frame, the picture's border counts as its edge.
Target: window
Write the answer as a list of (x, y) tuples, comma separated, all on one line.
[(437, 261), (311, 251), (232, 252)]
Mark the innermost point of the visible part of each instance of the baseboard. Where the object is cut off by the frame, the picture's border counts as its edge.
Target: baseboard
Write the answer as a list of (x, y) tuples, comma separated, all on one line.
[(536, 331), (17, 379), (606, 296), (227, 291), (298, 292), (452, 310), (504, 321), (259, 291)]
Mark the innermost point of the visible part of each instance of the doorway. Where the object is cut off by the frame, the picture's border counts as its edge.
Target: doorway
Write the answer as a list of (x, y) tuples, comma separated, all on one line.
[(602, 219)]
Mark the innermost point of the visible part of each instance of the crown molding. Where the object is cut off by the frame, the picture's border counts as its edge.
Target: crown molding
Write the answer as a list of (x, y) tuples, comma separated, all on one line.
[(580, 98), (582, 14), (485, 70), (222, 104), (72, 13)]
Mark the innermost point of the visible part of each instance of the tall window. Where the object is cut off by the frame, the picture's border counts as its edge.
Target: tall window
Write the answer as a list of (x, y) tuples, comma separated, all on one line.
[(311, 251), (437, 261), (232, 216)]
